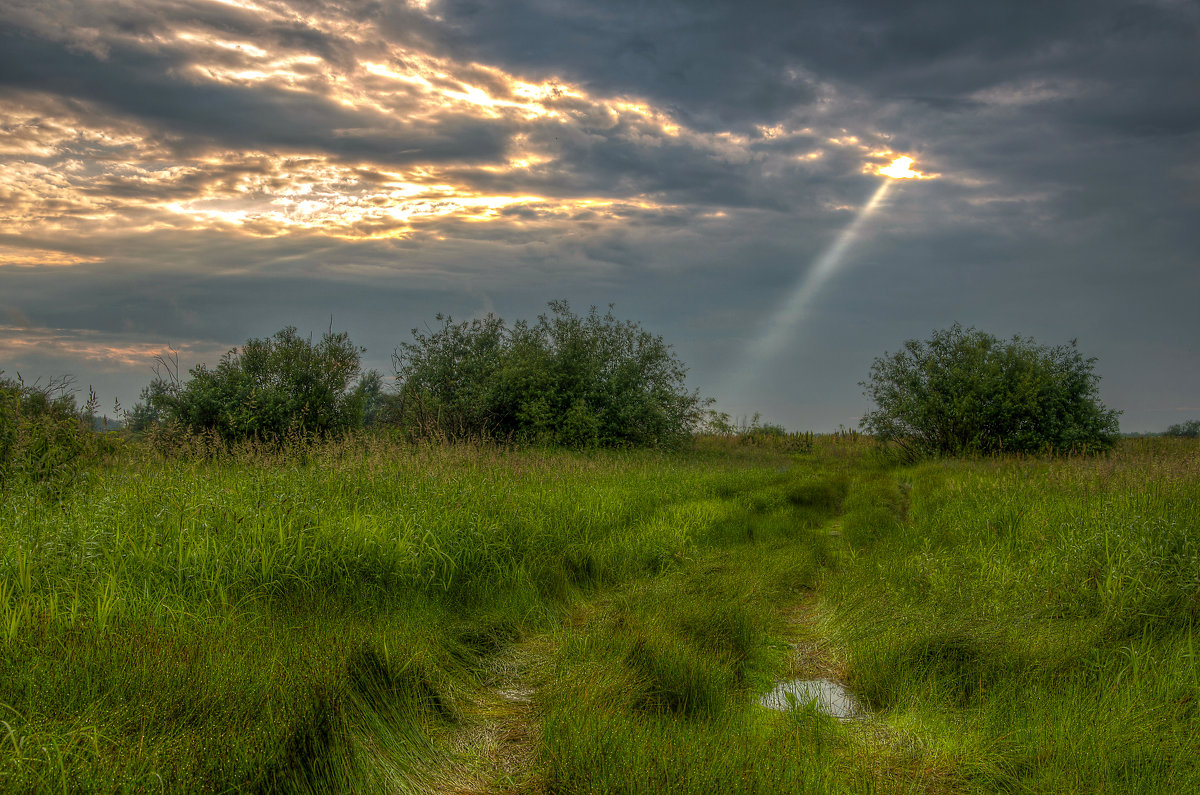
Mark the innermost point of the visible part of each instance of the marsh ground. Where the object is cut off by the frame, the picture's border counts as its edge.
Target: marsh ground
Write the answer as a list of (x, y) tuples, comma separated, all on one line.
[(364, 616)]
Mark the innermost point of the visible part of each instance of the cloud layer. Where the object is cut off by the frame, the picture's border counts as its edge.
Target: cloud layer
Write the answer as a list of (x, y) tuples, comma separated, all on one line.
[(201, 172)]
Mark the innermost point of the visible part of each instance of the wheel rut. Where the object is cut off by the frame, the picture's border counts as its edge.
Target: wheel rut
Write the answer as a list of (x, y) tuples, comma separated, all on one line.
[(495, 747)]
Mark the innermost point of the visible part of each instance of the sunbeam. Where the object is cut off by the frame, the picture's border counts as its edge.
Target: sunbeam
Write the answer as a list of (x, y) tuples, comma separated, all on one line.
[(782, 326)]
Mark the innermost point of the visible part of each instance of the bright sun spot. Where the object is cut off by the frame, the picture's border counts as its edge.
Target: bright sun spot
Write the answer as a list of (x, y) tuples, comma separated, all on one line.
[(899, 169)]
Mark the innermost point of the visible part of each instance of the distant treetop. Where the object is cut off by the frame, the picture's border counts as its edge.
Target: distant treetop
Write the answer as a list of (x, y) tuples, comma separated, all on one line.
[(1186, 430)]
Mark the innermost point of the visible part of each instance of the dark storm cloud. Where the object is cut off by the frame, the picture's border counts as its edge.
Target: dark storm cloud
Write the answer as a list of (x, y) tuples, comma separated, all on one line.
[(686, 159), (738, 62), (707, 61), (934, 75), (101, 28)]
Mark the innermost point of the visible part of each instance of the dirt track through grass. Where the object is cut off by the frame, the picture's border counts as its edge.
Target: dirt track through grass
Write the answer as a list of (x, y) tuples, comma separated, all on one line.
[(497, 743)]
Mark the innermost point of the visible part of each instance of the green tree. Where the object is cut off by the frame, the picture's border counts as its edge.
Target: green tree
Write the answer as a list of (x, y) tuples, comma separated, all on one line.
[(567, 379), (152, 402), (963, 391), (369, 393), (267, 388), (1185, 430)]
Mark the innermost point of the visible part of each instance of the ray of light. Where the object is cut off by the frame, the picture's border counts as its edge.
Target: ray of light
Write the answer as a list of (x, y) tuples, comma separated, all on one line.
[(781, 328)]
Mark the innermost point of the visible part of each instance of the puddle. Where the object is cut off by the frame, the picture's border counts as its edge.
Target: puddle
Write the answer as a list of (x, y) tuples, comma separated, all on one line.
[(826, 696)]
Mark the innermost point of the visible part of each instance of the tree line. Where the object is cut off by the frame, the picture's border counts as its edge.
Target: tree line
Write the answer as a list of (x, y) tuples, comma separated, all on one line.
[(578, 380), (566, 379)]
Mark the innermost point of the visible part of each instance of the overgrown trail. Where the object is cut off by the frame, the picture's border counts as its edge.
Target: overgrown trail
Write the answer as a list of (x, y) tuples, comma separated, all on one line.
[(677, 662), (894, 759), (670, 667), (494, 748)]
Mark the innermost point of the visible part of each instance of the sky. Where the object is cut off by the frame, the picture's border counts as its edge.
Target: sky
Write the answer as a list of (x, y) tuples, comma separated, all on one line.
[(184, 175)]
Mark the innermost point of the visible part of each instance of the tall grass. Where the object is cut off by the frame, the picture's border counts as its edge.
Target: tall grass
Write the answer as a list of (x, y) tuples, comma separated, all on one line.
[(1033, 619), (223, 621), (332, 617)]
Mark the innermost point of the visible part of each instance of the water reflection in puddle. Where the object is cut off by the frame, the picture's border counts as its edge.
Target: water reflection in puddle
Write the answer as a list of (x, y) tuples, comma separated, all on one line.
[(825, 696)]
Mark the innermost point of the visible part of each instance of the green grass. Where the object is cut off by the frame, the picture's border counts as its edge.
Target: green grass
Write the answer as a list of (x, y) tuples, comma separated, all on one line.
[(231, 624), (656, 690), (342, 618), (1033, 620)]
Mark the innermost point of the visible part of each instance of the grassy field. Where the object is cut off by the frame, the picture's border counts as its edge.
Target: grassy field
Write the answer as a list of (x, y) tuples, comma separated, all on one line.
[(364, 616)]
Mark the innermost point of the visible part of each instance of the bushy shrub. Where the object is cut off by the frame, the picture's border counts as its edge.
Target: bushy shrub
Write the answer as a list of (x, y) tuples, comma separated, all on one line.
[(963, 391), (566, 379), (718, 430), (266, 389), (44, 435)]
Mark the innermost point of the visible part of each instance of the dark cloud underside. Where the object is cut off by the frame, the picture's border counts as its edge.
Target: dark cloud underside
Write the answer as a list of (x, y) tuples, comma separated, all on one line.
[(195, 173)]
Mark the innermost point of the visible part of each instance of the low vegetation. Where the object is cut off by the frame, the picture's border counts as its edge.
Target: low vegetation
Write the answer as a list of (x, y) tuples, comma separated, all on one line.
[(46, 438), (358, 615), (268, 389), (1185, 430), (579, 381)]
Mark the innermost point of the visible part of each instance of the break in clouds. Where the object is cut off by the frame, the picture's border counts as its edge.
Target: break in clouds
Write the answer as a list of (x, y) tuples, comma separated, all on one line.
[(194, 173)]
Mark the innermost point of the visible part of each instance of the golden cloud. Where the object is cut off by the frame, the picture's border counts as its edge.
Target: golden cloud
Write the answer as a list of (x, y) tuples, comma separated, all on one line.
[(96, 347), (74, 171)]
